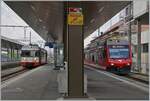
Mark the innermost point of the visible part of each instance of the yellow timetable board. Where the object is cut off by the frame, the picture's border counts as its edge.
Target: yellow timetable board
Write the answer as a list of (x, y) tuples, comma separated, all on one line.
[(75, 19)]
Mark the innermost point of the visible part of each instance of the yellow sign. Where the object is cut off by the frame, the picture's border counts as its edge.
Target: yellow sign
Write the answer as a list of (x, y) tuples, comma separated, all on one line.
[(75, 19)]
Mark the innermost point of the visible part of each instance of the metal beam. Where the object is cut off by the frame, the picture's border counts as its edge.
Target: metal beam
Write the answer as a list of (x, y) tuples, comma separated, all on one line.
[(13, 26)]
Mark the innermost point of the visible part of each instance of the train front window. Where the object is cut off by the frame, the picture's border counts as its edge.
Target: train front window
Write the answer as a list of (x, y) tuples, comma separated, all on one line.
[(27, 53), (37, 53), (119, 52)]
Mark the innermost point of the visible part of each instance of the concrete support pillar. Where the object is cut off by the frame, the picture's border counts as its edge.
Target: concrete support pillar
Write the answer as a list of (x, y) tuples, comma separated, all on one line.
[(75, 58), (129, 33), (149, 51), (55, 54), (17, 54), (7, 53), (11, 53), (139, 46), (129, 38)]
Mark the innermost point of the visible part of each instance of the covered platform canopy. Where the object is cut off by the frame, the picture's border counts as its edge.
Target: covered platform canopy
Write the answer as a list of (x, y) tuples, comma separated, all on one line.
[(49, 20), (6, 43), (47, 17)]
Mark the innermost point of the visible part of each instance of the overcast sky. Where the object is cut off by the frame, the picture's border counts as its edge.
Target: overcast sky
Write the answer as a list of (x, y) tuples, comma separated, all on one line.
[(9, 17)]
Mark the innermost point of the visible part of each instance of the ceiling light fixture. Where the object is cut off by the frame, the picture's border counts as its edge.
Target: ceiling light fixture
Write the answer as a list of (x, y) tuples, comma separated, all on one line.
[(92, 20), (101, 9), (33, 8), (40, 20)]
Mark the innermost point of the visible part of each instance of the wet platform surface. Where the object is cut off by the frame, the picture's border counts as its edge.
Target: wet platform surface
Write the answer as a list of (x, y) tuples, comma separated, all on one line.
[(41, 84), (133, 74), (37, 84), (103, 87)]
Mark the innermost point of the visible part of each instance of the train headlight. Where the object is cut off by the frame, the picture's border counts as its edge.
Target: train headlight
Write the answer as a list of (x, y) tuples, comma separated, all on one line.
[(35, 58), (112, 64), (128, 64)]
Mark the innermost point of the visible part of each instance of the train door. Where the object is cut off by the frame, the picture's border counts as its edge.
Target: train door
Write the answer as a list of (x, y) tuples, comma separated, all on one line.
[(96, 56), (92, 58), (39, 53), (100, 57), (104, 56)]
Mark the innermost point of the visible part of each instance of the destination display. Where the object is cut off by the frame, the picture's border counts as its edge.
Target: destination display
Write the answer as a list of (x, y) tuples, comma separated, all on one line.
[(118, 46)]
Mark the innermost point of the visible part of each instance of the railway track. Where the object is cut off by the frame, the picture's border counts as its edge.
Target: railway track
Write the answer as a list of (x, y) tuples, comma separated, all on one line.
[(137, 79), (13, 74)]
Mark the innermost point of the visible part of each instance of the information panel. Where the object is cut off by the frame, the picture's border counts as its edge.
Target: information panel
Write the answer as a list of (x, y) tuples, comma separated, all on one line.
[(75, 16)]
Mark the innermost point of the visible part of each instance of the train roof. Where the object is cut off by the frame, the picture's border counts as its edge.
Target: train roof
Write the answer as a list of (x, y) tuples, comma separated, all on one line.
[(30, 47), (117, 42), (12, 40)]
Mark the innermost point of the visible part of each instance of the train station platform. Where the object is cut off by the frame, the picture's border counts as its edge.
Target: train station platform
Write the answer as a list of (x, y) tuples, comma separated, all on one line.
[(103, 85), (134, 75), (41, 84), (36, 84)]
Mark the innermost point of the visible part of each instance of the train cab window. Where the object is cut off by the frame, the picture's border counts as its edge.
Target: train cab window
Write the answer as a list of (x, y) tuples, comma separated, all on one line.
[(32, 53), (37, 53), (25, 53), (119, 53)]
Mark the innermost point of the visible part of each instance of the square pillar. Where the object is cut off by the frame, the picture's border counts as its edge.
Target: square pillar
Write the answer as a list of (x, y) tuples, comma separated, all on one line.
[(75, 58), (75, 61), (7, 54), (129, 32), (11, 53), (139, 46), (17, 54), (65, 32)]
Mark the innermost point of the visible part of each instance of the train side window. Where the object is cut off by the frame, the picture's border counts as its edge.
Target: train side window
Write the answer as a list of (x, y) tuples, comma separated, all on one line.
[(37, 53), (103, 54), (93, 58), (132, 55), (25, 53)]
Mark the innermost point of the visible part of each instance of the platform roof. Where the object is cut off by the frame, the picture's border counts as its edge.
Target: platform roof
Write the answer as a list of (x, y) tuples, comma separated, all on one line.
[(11, 41), (47, 17)]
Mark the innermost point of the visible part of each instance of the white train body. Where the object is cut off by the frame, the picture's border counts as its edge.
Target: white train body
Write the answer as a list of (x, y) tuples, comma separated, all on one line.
[(32, 56)]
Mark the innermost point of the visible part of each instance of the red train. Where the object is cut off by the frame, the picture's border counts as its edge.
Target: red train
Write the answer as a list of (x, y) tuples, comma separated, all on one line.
[(112, 55), (33, 56)]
